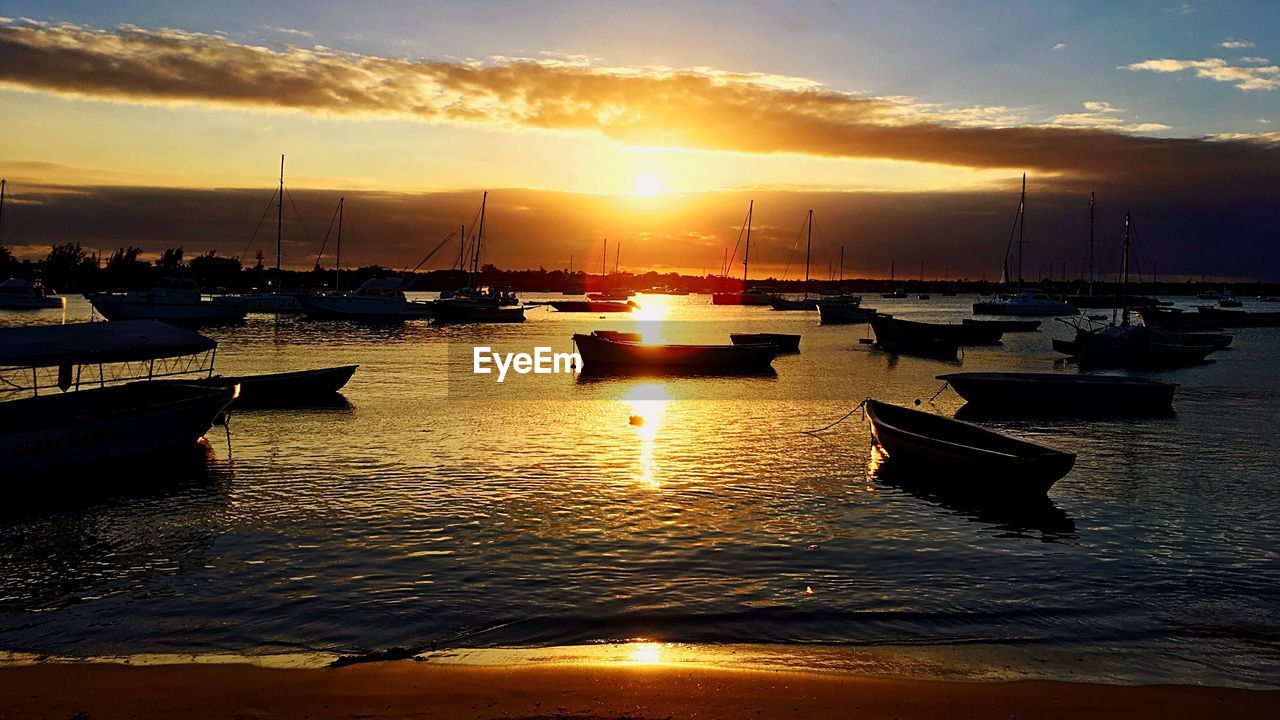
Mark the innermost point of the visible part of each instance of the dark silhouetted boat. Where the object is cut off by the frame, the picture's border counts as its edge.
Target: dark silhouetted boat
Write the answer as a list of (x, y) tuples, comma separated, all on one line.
[(108, 409), (174, 301), (782, 341), (892, 329), (1174, 320), (26, 294), (1239, 318), (1060, 393), (844, 309), (961, 457), (295, 388), (604, 352), (1004, 325), (592, 306), (803, 303), (748, 295), (374, 299)]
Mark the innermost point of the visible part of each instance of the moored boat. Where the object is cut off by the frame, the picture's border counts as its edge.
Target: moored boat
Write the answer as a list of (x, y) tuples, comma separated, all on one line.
[(374, 299), (1029, 303), (843, 312), (175, 301), (1239, 318), (592, 306), (24, 294), (964, 458), (599, 351), (299, 387), (1061, 393), (782, 341), (890, 328), (108, 409), (1004, 325)]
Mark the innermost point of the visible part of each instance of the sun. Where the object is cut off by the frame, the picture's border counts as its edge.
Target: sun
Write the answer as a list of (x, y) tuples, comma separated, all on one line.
[(648, 184)]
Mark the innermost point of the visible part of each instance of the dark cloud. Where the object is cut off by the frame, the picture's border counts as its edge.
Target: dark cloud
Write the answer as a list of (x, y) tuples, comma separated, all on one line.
[(962, 234), (703, 108)]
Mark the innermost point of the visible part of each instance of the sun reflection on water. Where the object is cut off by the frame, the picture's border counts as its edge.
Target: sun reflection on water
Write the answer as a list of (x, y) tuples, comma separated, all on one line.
[(652, 310), (645, 653), (647, 403)]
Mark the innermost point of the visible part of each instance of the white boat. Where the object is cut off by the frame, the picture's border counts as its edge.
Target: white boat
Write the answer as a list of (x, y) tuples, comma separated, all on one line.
[(175, 301), (1028, 303), (475, 303), (375, 299), (24, 294), (90, 395), (271, 302)]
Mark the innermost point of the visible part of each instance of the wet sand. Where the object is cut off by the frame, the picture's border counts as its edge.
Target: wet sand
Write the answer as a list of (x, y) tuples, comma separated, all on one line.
[(408, 689)]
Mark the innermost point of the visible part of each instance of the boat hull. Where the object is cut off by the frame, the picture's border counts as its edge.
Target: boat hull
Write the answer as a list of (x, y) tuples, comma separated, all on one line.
[(90, 428), (889, 329), (1060, 393), (1004, 325), (1139, 348), (739, 298), (998, 307), (592, 306), (1239, 318), (113, 307), (20, 302), (287, 388), (793, 305), (343, 307), (461, 311), (782, 341), (843, 314), (957, 457), (602, 353)]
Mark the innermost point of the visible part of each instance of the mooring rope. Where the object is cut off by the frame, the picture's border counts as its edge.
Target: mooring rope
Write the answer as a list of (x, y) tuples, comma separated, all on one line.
[(861, 406), (945, 385)]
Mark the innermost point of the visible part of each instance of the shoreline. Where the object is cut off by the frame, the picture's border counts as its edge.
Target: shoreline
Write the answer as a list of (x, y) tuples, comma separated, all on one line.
[(408, 688)]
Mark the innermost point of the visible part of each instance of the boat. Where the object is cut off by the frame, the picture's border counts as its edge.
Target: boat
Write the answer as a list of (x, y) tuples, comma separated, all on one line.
[(1106, 302), (600, 352), (1005, 325), (894, 295), (592, 306), (748, 295), (610, 296), (1028, 303), (782, 341), (175, 301), (476, 304), (890, 328), (1239, 318), (803, 303), (1061, 393), (374, 299), (843, 309), (94, 400), (1173, 320), (964, 458), (271, 302), (300, 387), (1228, 301), (28, 294), (1210, 295)]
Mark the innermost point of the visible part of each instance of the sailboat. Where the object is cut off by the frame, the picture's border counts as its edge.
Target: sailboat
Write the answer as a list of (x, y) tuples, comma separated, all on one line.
[(1124, 344), (746, 296), (897, 293), (275, 301), (475, 303), (1029, 302), (805, 303), (22, 293), (374, 299)]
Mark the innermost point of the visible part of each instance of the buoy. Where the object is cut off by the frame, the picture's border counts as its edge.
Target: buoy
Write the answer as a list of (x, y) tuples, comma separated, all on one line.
[(637, 420)]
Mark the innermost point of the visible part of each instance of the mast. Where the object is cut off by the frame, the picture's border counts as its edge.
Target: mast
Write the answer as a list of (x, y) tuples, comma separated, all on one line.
[(1091, 204), (570, 263), (746, 254), (475, 259), (921, 271), (604, 258), (841, 263), (280, 215), (808, 246), (892, 270), (617, 256), (1022, 226), (337, 254), (1123, 296), (3, 182), (462, 247)]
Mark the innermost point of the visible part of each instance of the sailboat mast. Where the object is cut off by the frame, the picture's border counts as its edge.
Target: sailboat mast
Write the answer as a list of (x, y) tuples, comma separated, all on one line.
[(1022, 227), (746, 254), (337, 254), (280, 214), (2, 186), (617, 256), (1091, 206), (892, 270), (808, 247), (475, 259), (604, 258), (1123, 297), (841, 263)]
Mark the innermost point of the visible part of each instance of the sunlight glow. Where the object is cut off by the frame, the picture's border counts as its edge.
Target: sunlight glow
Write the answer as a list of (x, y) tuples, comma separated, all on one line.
[(647, 403), (648, 184), (645, 654)]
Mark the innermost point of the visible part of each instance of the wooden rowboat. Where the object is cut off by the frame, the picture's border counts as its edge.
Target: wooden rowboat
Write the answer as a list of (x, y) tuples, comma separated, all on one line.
[(600, 352), (1060, 393), (782, 341), (288, 388), (959, 457)]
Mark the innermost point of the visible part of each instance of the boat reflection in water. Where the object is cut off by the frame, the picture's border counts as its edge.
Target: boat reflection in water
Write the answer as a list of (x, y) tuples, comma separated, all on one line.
[(1015, 517)]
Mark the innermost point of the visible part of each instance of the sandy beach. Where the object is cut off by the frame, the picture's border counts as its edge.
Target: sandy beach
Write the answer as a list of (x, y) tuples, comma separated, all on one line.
[(408, 689)]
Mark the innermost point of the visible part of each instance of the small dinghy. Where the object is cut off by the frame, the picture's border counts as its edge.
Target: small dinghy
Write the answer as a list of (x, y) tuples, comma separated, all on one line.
[(601, 351), (592, 306), (301, 387), (1060, 393), (963, 458), (782, 341)]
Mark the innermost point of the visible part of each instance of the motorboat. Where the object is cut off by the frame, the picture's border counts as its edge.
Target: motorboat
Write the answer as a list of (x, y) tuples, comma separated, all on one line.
[(272, 302), (374, 299), (964, 458), (1229, 301), (89, 396), (782, 341), (753, 296), (600, 351), (28, 294), (1028, 303), (174, 301), (611, 296), (472, 305), (843, 310), (1026, 393), (1239, 318), (592, 306), (1130, 345)]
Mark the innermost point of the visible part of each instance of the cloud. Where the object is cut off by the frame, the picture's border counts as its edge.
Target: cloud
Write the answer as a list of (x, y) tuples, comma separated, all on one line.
[(1102, 115), (1233, 44), (1266, 77), (702, 108), (1060, 46), (1254, 60)]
